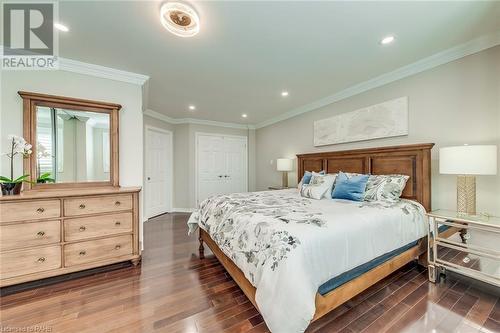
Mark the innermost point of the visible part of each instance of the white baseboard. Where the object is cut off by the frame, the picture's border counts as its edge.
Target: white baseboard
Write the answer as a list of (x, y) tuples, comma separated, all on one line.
[(183, 210)]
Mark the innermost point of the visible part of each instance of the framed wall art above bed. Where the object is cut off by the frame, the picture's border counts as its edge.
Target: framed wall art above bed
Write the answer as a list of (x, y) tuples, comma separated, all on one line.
[(383, 120)]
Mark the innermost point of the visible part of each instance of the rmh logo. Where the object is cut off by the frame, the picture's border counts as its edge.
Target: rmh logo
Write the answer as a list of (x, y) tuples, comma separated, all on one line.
[(28, 29)]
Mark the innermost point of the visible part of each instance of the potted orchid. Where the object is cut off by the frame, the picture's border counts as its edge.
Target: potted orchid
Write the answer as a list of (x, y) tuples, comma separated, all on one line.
[(18, 146)]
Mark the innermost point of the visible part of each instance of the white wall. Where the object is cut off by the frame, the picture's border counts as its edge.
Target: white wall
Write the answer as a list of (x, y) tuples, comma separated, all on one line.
[(80, 86), (451, 104)]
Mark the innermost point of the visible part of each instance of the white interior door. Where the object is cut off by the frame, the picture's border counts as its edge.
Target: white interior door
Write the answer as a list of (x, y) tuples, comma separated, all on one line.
[(221, 165), (211, 165), (158, 171), (235, 176)]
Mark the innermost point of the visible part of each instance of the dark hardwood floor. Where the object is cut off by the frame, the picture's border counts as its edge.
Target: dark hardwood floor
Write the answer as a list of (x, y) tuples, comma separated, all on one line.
[(173, 291)]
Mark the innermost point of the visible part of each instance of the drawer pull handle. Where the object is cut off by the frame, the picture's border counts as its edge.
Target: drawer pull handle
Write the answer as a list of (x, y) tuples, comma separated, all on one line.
[(82, 253), (40, 233), (41, 259), (82, 228), (82, 206), (117, 247), (118, 223), (118, 203), (40, 210)]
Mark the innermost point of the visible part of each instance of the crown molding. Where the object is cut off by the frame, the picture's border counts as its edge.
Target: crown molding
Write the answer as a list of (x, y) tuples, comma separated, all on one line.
[(441, 58), (75, 66), (80, 67), (160, 116), (176, 121)]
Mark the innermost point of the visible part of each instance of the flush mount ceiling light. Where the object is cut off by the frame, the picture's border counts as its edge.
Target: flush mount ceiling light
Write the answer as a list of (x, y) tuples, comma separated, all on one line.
[(61, 27), (192, 107), (284, 93), (244, 115), (387, 40), (180, 19)]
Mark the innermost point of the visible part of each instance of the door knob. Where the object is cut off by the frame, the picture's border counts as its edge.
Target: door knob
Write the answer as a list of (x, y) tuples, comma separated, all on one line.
[(149, 178)]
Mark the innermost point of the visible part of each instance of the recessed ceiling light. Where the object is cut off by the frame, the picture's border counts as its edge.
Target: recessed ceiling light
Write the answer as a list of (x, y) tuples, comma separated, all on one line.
[(192, 107), (244, 115), (387, 40), (284, 93), (61, 27), (180, 19)]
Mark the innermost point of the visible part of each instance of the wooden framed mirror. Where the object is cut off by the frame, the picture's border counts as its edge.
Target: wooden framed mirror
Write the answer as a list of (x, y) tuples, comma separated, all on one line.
[(75, 141)]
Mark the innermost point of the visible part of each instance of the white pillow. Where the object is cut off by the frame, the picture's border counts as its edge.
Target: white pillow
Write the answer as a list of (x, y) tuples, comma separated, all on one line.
[(320, 186), (385, 187), (328, 194)]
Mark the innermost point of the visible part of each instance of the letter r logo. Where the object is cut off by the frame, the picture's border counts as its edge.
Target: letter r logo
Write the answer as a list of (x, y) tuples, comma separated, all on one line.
[(28, 28)]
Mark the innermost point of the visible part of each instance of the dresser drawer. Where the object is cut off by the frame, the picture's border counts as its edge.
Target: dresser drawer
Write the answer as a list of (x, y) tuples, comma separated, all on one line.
[(90, 251), (93, 205), (104, 225), (29, 210), (21, 262), (29, 234)]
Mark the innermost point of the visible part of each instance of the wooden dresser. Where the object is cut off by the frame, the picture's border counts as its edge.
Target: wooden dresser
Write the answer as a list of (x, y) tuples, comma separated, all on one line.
[(53, 232)]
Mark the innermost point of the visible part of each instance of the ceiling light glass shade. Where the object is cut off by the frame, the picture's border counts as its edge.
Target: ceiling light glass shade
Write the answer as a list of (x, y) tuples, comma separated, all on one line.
[(180, 19), (468, 160), (284, 164)]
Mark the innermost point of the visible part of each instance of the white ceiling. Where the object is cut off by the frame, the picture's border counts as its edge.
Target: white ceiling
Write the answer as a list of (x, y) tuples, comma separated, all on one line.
[(248, 52)]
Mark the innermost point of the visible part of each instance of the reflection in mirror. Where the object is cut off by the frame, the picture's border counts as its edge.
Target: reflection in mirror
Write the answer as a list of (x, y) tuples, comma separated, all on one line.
[(72, 146)]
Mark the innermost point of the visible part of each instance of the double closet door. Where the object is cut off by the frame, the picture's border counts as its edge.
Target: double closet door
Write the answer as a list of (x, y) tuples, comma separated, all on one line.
[(221, 165)]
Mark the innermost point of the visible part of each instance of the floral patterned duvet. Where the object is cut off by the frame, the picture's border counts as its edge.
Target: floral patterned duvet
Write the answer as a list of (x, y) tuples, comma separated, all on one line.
[(287, 246)]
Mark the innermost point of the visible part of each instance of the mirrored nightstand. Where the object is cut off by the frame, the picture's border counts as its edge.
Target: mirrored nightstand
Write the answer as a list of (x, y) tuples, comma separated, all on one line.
[(468, 245)]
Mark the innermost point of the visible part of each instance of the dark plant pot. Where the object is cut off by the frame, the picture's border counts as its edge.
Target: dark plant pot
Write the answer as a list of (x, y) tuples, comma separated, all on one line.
[(41, 181), (11, 188)]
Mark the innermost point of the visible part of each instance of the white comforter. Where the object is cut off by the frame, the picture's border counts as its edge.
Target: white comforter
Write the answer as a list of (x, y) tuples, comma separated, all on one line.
[(287, 246)]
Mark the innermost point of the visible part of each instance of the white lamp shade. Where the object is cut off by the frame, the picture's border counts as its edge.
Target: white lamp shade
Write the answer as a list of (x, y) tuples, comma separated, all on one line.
[(468, 160), (284, 164)]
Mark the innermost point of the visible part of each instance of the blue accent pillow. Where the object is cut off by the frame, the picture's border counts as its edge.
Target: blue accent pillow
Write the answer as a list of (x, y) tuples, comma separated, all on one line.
[(350, 188), (306, 179)]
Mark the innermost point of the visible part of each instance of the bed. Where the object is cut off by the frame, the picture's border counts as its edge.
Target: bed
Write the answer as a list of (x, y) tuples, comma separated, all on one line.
[(296, 259)]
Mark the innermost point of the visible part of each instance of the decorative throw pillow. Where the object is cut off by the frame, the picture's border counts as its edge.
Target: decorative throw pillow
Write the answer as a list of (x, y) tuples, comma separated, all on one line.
[(385, 187), (306, 178), (350, 187), (328, 193), (318, 186)]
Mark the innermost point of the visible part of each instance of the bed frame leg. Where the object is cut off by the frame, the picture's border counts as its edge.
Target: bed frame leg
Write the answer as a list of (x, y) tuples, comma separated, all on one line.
[(422, 260), (201, 248)]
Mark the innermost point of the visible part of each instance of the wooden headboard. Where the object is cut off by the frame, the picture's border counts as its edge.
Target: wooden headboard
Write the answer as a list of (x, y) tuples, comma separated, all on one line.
[(411, 160)]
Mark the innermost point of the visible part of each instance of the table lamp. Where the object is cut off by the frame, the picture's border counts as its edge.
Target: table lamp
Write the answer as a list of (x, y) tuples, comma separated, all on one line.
[(284, 165), (467, 162)]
